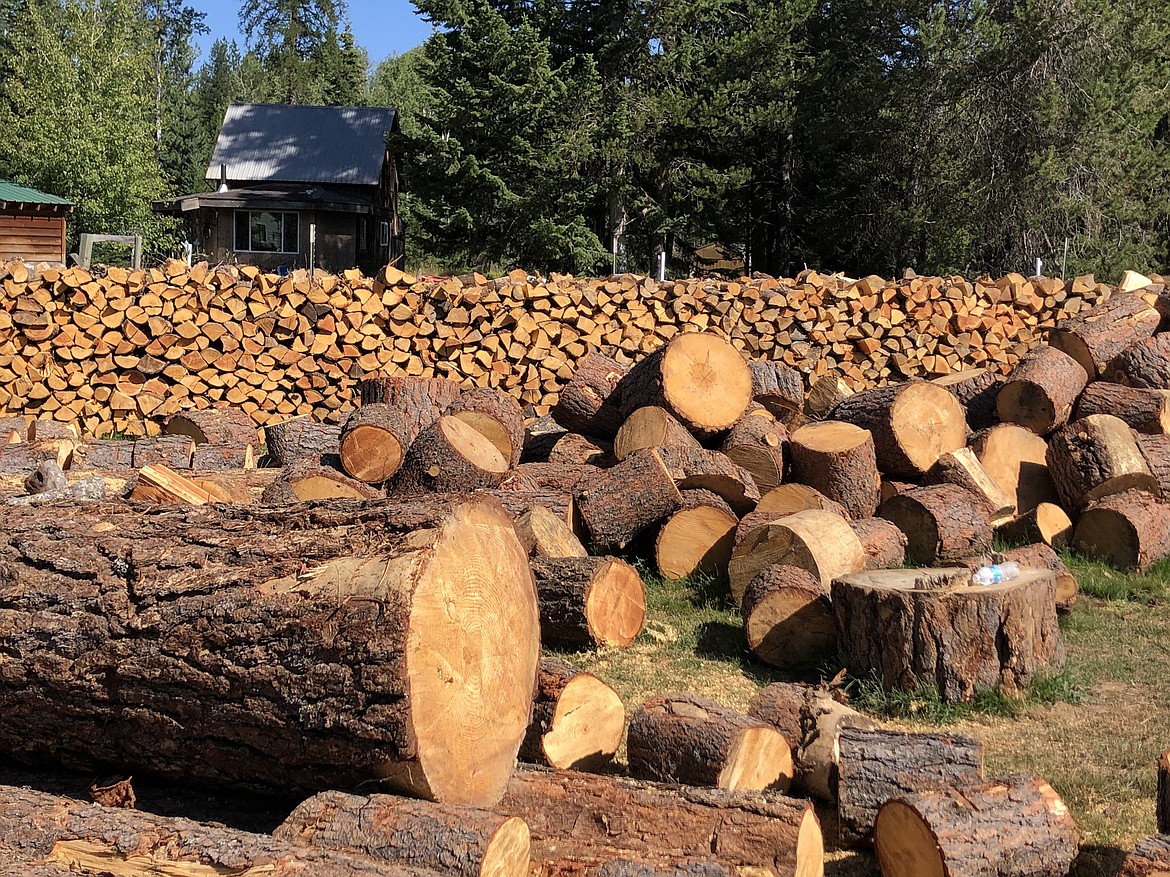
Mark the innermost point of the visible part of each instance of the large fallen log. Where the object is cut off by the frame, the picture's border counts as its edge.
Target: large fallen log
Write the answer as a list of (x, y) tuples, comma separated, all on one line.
[(618, 504), (1147, 411), (290, 440), (495, 415), (283, 648)]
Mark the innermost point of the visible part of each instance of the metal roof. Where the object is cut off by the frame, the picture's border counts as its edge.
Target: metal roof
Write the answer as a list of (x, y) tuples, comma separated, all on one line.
[(290, 143), (12, 193)]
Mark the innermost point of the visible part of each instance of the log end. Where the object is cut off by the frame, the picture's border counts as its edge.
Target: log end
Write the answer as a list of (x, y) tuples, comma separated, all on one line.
[(904, 843), (371, 454), (810, 846), (509, 852), (706, 381), (928, 422), (587, 725), (616, 604), (760, 758)]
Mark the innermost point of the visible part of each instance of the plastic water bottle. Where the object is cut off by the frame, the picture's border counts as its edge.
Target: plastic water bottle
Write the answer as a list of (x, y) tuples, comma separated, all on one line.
[(996, 573)]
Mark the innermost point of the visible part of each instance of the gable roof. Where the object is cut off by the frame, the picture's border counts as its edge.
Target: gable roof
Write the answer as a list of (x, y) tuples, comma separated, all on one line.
[(12, 193), (302, 144)]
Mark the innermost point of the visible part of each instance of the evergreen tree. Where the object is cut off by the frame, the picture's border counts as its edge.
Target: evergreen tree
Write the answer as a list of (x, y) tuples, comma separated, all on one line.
[(176, 122), (287, 36), (399, 82)]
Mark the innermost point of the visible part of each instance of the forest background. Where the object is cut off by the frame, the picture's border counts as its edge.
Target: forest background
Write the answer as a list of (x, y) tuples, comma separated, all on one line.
[(865, 136)]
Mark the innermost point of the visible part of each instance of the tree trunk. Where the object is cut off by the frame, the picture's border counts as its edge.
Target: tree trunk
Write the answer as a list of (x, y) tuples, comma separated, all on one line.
[(1147, 411), (1095, 457), (780, 389), (651, 427), (494, 414), (1129, 531), (619, 503), (962, 468), (1015, 458), (24, 457), (373, 443), (421, 400), (174, 451), (301, 437), (882, 541), (225, 427), (758, 444), (699, 469), (839, 460), (103, 454), (1095, 336), (1150, 858), (1156, 452), (209, 456), (267, 648), (697, 538), (577, 720), (450, 455), (563, 477), (1040, 392), (1145, 363), (576, 450), (588, 404), (788, 619), (1047, 523), (586, 602), (1014, 827), (942, 522), (976, 390)]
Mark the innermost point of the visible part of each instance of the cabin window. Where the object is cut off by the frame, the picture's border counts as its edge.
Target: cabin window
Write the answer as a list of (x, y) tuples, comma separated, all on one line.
[(263, 231)]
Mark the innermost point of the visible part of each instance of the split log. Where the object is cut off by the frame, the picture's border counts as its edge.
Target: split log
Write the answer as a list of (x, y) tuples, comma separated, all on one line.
[(962, 468), (820, 542), (839, 460), (697, 538), (780, 389), (1095, 457), (308, 479), (619, 503), (1016, 460), (373, 442), (788, 499), (544, 534), (1047, 523), (1014, 827), (586, 602), (1147, 411), (1040, 392), (1145, 363), (651, 427), (918, 627), (440, 838), (825, 394), (224, 427), (420, 400), (698, 377), (883, 542), (587, 404), (688, 739), (1129, 531), (1150, 858), (1038, 556), (700, 469), (912, 424), (450, 455), (494, 414), (202, 581), (787, 618), (299, 438), (47, 835), (26, 456), (173, 451), (577, 720), (164, 486), (740, 829), (942, 522), (758, 444), (1162, 811), (875, 765), (1095, 336), (976, 389)]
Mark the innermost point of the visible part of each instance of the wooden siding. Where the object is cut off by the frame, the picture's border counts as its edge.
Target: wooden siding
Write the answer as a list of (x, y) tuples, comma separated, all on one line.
[(32, 238)]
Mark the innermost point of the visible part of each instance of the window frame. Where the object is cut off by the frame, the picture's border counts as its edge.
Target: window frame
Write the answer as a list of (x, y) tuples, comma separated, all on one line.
[(283, 214)]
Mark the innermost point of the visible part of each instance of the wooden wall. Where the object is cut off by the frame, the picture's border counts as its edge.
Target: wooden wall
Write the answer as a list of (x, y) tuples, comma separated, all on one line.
[(32, 238)]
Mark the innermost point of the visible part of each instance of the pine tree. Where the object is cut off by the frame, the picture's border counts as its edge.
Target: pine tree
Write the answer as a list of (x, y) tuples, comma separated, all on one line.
[(287, 35)]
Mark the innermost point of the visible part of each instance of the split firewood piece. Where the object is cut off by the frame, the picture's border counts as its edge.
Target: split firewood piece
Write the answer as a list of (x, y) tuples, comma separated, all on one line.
[(1156, 452), (962, 468), (701, 469), (1147, 411), (1016, 460), (912, 424), (47, 430), (588, 602), (577, 720), (103, 454), (976, 389), (576, 450), (158, 484), (1144, 363), (811, 718), (13, 430), (373, 443), (883, 542), (421, 400), (817, 541), (618, 503), (440, 838), (840, 461), (26, 456), (787, 499), (297, 576), (1095, 336), (300, 438), (226, 427), (496, 415), (741, 829), (698, 377), (1129, 531), (780, 389), (450, 455), (942, 522), (1037, 556), (588, 404), (308, 479), (173, 451), (689, 739), (519, 502), (651, 427), (758, 444), (1040, 392), (1002, 828), (566, 477), (824, 395), (45, 835), (918, 627), (1162, 810), (1150, 858), (1094, 457), (697, 538), (787, 617), (544, 534), (1047, 523)]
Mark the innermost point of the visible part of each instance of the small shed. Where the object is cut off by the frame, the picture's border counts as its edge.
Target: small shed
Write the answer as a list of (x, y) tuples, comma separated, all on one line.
[(32, 224)]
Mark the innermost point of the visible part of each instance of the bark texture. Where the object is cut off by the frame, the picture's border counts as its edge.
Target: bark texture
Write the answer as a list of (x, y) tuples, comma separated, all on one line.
[(787, 617), (976, 390), (839, 460), (450, 455), (760, 445), (307, 480), (1156, 452), (882, 541), (619, 503), (301, 437), (780, 389), (942, 522), (1095, 336), (170, 450), (421, 400), (1040, 392), (962, 468), (214, 426), (1129, 531), (587, 404), (696, 468), (496, 415), (651, 427), (1150, 858), (1146, 410), (586, 602), (1145, 363), (1094, 457)]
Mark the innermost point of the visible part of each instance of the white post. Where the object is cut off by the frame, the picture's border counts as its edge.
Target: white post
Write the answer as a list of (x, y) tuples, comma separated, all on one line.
[(662, 265)]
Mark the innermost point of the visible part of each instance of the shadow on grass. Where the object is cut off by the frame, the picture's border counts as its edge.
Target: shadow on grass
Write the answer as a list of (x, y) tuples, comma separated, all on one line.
[(1097, 861)]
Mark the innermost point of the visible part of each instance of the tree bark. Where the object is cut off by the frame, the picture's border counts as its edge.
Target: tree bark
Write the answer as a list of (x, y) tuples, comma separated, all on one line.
[(307, 480), (1040, 392), (825, 393), (577, 720), (839, 460), (174, 451), (1145, 363), (962, 468), (1129, 531), (450, 455), (697, 538), (942, 522), (1156, 452), (619, 503), (373, 443), (882, 541), (587, 404), (588, 602), (1150, 858), (1094, 457), (1095, 336), (780, 389), (787, 618), (976, 390), (1147, 411), (696, 468), (758, 444), (226, 427), (494, 414), (301, 437)]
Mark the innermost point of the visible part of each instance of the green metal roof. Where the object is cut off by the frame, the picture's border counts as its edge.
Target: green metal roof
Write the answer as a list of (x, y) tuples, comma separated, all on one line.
[(13, 193)]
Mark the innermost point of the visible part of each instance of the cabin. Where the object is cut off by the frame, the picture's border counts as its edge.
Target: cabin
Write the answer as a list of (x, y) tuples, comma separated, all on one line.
[(299, 186), (32, 224)]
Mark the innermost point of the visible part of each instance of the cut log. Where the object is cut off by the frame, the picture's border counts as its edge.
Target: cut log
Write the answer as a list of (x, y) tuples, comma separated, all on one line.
[(1147, 411), (496, 415), (651, 427), (741, 829), (1015, 458), (1014, 827), (103, 454), (265, 713), (883, 542), (824, 395), (1095, 336), (817, 541), (158, 484), (441, 838), (244, 486), (619, 503), (701, 469), (301, 438), (780, 389), (225, 427), (173, 451), (544, 534), (1129, 531), (308, 479), (911, 628), (564, 477), (1162, 810), (1156, 452), (589, 601), (1047, 523), (420, 400), (874, 765), (1145, 363), (1095, 457), (788, 499), (697, 538), (45, 835), (1150, 858), (587, 404), (575, 450), (839, 460), (450, 455), (1037, 556), (577, 720), (942, 522), (962, 468), (373, 442), (698, 377), (685, 738), (787, 618), (891, 487), (976, 390), (912, 424), (520, 502), (209, 456), (1040, 392), (26, 456), (758, 444)]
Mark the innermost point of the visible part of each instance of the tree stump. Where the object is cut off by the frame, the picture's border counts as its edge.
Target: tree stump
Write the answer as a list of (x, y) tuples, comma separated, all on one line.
[(619, 503), (1047, 523), (976, 390), (1015, 458), (697, 538), (685, 738), (1095, 336), (943, 522), (882, 541), (373, 442), (962, 468), (651, 427), (787, 618), (588, 404), (301, 438), (1095, 457), (420, 400), (780, 389), (1040, 392), (1147, 411), (589, 601), (839, 460), (1014, 827), (496, 416), (577, 720), (1150, 858), (1145, 363), (450, 455), (1129, 531), (933, 627)]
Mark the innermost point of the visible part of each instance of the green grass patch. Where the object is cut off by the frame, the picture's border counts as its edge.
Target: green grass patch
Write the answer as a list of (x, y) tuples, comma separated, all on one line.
[(1098, 580)]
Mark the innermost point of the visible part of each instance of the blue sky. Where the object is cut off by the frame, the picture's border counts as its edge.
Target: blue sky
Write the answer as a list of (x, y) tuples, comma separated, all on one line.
[(382, 27)]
